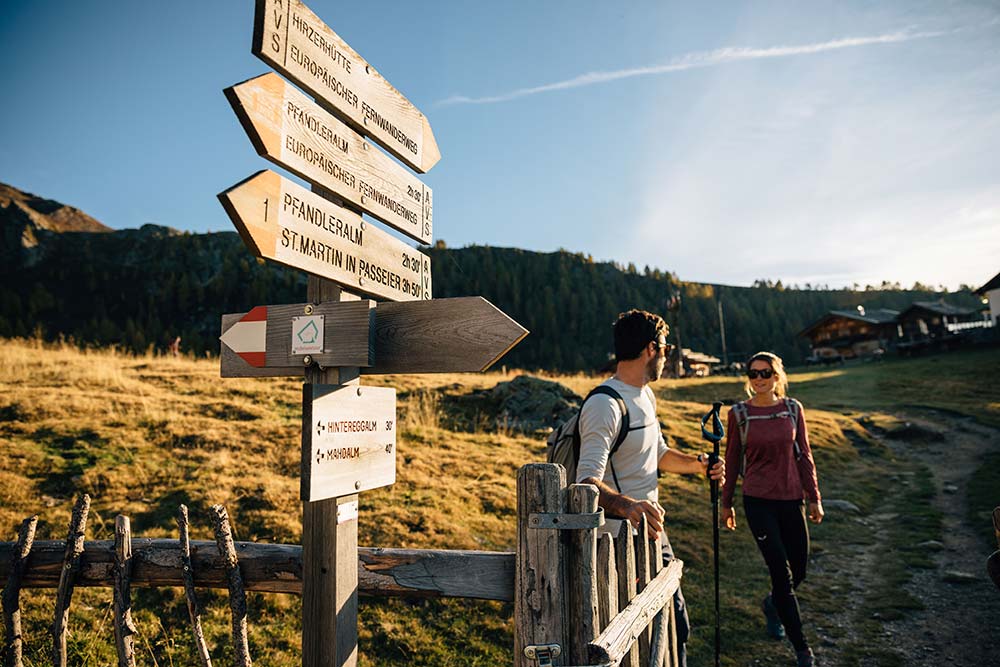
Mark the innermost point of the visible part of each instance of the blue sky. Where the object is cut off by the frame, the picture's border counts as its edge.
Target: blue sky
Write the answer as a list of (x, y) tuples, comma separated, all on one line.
[(808, 142)]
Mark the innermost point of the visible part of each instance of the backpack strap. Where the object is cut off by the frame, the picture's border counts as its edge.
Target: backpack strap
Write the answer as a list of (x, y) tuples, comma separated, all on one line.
[(743, 424), (623, 430), (794, 407)]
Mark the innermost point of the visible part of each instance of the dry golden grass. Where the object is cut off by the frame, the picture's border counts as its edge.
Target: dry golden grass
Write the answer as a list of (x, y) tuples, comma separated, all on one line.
[(143, 434)]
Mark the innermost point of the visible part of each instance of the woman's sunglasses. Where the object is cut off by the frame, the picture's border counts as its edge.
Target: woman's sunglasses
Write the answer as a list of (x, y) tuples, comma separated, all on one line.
[(765, 373)]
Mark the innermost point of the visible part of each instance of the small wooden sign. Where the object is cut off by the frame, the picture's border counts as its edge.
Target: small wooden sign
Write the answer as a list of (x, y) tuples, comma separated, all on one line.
[(459, 335), (286, 223), (294, 41), (348, 439), (292, 131)]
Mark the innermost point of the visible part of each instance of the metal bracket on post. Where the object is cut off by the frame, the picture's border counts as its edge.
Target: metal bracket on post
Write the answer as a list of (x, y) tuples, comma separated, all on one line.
[(543, 653), (558, 521)]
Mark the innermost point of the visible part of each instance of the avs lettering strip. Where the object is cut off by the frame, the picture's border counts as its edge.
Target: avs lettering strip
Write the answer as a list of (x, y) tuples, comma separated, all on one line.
[(348, 439), (295, 42), (292, 131), (286, 223)]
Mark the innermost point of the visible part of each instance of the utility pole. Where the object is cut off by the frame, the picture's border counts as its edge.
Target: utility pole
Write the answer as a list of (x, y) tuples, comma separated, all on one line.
[(674, 306), (722, 332)]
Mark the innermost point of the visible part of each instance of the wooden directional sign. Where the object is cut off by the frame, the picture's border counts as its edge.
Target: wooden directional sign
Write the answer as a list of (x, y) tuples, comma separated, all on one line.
[(465, 334), (294, 41), (348, 440), (294, 132), (284, 222)]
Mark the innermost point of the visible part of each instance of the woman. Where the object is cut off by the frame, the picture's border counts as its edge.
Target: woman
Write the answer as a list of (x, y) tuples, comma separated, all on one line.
[(769, 445)]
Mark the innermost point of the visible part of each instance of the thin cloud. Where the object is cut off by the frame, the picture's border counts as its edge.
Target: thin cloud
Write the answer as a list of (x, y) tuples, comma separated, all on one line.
[(695, 60)]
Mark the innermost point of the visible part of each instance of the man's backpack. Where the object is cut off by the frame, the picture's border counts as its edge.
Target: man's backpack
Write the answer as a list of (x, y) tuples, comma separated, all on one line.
[(743, 419), (563, 444)]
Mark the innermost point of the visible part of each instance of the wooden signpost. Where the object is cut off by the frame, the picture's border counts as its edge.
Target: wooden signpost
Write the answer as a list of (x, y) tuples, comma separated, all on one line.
[(459, 335), (288, 224), (294, 41), (290, 130), (348, 431)]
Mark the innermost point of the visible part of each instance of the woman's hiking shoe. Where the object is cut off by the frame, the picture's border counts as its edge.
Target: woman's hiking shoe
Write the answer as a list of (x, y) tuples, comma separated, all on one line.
[(774, 627), (804, 658)]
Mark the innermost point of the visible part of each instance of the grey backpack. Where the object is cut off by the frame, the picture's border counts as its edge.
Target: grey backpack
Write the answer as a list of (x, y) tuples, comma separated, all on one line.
[(563, 444)]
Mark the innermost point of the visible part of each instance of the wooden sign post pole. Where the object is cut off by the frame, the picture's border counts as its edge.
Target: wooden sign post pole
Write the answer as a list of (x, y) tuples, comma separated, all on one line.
[(329, 547)]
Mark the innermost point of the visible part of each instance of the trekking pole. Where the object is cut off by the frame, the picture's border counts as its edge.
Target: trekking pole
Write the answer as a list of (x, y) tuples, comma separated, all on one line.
[(715, 437)]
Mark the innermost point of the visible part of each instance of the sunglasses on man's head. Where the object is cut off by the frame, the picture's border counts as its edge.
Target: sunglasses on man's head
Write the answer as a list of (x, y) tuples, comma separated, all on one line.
[(765, 373)]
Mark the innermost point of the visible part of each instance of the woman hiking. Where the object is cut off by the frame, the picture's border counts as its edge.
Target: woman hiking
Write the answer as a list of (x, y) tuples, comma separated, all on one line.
[(769, 444)]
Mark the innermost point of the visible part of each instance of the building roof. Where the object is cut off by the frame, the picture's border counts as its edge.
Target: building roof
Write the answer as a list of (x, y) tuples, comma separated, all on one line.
[(871, 316), (700, 357), (991, 284), (939, 307)]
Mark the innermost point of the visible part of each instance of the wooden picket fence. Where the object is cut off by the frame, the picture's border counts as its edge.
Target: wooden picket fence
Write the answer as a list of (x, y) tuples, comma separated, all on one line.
[(579, 598)]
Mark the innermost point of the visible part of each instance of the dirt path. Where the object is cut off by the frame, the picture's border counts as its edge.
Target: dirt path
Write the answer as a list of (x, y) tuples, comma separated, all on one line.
[(960, 624)]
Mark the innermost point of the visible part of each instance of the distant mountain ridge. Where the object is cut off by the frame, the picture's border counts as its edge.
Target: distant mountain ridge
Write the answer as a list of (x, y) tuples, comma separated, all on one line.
[(63, 273)]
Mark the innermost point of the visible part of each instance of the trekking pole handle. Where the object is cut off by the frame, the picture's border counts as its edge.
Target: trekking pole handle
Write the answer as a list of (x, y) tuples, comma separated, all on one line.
[(718, 432)]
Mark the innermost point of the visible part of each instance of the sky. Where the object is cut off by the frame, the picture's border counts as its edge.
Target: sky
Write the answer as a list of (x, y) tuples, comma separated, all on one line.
[(825, 143)]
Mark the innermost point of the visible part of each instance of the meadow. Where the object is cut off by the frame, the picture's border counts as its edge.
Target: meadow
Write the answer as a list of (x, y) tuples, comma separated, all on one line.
[(144, 433)]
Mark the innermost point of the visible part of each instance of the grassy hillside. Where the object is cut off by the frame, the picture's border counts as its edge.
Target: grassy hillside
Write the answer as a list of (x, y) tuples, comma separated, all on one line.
[(142, 434)]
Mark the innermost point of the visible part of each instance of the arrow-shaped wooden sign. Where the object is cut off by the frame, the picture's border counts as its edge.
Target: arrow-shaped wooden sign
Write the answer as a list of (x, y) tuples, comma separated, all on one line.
[(289, 129), (464, 334), (286, 223), (294, 41)]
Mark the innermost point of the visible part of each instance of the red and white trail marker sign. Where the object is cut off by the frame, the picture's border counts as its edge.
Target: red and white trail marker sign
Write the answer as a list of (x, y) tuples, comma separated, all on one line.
[(248, 337)]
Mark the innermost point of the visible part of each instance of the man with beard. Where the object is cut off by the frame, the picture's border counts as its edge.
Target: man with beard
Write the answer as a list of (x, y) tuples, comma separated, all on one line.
[(627, 481)]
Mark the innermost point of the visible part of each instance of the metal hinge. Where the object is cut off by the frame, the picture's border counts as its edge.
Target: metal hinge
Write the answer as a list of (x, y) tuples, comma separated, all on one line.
[(543, 653), (557, 521)]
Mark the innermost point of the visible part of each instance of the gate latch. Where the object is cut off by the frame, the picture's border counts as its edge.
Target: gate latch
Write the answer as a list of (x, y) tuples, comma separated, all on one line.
[(543, 653)]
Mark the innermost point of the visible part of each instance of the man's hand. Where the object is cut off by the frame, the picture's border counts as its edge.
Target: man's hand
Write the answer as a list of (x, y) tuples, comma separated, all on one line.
[(729, 518), (654, 516), (718, 471), (816, 512)]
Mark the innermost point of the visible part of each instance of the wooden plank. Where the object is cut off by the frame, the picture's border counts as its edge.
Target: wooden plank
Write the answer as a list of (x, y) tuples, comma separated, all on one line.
[(70, 567), (583, 615), (285, 223), (295, 42), (13, 641), (625, 561), (642, 573), (348, 440), (612, 645), (459, 335), (540, 585), (330, 544), (277, 568), (607, 580), (124, 627), (293, 132)]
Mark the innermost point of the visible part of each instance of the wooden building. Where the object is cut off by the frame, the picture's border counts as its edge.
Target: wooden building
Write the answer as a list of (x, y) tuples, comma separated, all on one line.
[(850, 334), (936, 325), (991, 292)]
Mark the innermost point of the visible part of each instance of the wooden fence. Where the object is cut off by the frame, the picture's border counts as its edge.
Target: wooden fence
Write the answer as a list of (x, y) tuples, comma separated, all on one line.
[(579, 598)]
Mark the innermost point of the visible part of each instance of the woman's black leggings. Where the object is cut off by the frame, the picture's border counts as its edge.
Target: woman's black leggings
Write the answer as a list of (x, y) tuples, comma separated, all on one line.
[(779, 526)]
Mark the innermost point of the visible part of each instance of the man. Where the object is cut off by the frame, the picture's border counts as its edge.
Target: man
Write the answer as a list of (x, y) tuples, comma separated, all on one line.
[(628, 482)]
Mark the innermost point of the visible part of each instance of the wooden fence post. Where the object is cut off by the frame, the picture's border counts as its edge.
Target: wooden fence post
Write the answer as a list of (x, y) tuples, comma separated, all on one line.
[(67, 578), (189, 592), (642, 579), (607, 580), (582, 574), (625, 560), (122, 597), (237, 592), (12, 592), (540, 587)]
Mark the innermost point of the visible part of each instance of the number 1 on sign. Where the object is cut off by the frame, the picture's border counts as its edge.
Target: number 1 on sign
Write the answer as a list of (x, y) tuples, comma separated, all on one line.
[(265, 210)]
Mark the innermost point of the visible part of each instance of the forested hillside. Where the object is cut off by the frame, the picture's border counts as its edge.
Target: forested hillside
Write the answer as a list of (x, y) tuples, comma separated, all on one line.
[(65, 274), (137, 288)]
